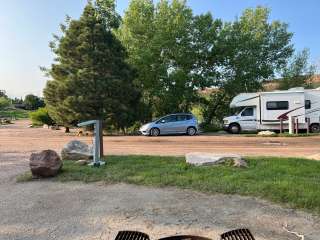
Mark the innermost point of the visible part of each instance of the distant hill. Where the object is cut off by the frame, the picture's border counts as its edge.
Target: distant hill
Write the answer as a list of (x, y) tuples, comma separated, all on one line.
[(272, 85)]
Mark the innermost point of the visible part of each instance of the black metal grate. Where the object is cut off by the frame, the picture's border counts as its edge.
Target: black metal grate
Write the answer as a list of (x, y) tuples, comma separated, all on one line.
[(185, 237), (239, 234), (131, 235)]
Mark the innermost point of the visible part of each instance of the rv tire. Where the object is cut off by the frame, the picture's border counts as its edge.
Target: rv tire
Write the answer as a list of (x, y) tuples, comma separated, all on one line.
[(315, 128), (234, 128)]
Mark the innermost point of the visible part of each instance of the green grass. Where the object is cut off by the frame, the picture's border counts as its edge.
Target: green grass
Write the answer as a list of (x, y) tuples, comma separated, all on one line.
[(14, 113), (288, 181)]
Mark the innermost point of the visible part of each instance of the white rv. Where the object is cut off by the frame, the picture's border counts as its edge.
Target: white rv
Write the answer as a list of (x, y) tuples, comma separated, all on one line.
[(263, 110)]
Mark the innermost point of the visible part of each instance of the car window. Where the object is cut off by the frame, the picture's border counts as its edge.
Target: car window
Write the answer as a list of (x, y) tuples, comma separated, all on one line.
[(167, 119), (181, 118), (189, 117), (247, 112)]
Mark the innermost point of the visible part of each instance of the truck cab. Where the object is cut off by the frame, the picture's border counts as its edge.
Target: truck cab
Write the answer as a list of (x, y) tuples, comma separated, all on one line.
[(244, 120)]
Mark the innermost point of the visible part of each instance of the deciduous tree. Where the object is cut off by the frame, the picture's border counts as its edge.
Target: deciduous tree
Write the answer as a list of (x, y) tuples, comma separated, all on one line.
[(298, 73), (33, 102)]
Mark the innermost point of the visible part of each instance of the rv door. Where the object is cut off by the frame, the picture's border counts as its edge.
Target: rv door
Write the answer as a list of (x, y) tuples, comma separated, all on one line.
[(248, 119)]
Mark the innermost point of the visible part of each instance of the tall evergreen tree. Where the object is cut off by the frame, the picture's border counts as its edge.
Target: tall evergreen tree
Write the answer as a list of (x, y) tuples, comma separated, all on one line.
[(90, 76)]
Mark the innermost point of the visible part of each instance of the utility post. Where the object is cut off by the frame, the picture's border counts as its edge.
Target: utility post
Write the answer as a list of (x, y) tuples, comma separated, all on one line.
[(97, 151), (291, 125), (101, 138)]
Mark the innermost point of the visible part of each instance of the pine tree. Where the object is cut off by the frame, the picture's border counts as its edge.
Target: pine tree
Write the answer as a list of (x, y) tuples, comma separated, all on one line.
[(90, 77)]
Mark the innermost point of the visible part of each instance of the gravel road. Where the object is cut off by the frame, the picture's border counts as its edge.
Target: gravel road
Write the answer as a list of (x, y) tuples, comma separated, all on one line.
[(52, 210), (18, 137)]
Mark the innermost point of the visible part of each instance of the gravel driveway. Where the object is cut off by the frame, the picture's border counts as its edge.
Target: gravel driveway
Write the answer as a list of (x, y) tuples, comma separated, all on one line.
[(72, 211)]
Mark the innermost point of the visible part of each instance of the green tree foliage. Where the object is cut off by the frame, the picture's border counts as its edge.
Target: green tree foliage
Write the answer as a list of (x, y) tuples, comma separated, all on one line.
[(91, 79), (255, 49), (252, 49), (33, 102), (215, 107), (298, 73), (177, 53), (164, 42), (3, 93), (40, 117), (4, 103)]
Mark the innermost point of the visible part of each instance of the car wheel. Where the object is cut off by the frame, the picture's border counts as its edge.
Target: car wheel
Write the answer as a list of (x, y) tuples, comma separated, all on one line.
[(154, 132), (315, 128), (234, 128), (191, 131)]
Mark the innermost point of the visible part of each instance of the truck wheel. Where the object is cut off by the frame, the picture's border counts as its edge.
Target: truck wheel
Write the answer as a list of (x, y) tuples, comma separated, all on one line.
[(234, 128), (315, 128)]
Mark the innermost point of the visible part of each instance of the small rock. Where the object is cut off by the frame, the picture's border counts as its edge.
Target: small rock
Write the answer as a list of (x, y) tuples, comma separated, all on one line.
[(45, 126), (76, 150), (82, 162), (45, 164), (240, 163), (203, 159), (266, 133)]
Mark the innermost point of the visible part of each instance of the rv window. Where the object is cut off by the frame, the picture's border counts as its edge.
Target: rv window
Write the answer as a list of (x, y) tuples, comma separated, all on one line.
[(278, 105), (307, 104), (247, 112)]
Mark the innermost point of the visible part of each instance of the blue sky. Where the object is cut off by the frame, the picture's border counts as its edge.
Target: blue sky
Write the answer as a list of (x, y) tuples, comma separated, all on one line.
[(26, 27)]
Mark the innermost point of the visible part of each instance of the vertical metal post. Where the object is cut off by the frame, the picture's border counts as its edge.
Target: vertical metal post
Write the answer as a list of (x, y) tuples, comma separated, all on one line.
[(96, 141), (101, 139), (291, 125), (308, 125), (297, 125), (281, 125)]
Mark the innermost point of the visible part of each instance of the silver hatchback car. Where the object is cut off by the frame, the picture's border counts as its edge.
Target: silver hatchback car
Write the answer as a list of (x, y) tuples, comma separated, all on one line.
[(171, 124)]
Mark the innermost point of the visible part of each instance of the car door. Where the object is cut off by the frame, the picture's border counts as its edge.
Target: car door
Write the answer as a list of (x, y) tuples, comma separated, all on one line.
[(248, 119), (181, 124), (167, 124)]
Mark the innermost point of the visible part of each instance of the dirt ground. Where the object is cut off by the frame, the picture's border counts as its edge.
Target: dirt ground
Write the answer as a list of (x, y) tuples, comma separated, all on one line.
[(18, 137), (50, 210)]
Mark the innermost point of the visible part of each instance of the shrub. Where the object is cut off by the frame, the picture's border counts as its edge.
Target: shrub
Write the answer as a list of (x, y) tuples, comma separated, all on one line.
[(4, 103), (40, 117)]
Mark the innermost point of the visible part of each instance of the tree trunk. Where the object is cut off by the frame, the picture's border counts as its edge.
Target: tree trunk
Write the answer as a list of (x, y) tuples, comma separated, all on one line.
[(67, 130)]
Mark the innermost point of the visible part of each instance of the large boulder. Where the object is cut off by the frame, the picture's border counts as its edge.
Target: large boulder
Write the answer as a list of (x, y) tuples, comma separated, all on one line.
[(45, 164), (203, 159), (76, 150)]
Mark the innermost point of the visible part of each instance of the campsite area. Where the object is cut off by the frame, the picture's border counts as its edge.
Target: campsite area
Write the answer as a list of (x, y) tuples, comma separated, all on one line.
[(54, 210), (19, 137)]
